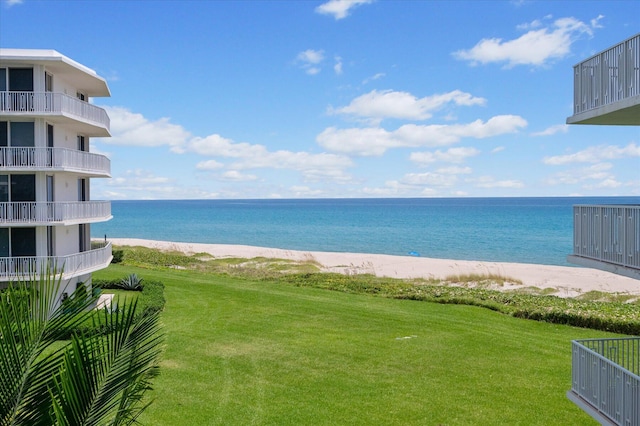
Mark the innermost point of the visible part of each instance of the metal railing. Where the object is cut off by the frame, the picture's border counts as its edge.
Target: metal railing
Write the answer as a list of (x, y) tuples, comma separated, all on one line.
[(61, 159), (71, 265), (34, 212), (605, 376), (607, 77), (607, 233), (50, 103)]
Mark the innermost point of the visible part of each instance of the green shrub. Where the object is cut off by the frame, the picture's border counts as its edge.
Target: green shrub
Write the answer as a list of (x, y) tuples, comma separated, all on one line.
[(118, 256), (151, 299)]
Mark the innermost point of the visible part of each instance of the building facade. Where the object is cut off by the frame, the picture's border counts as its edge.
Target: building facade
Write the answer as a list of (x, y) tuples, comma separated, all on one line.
[(46, 167)]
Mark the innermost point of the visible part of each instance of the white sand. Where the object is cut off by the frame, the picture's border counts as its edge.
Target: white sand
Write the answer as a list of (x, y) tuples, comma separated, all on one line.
[(568, 281)]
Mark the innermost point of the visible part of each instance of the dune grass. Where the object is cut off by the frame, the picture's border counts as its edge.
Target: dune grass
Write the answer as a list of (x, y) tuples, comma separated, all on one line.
[(245, 351)]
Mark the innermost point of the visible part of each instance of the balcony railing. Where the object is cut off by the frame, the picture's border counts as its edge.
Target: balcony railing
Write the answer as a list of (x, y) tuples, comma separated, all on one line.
[(612, 76), (49, 103), (72, 265), (55, 159), (607, 233), (49, 213), (605, 379)]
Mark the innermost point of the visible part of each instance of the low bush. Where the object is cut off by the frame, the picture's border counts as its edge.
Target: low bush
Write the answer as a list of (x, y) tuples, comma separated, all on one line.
[(615, 317), (118, 256), (151, 299)]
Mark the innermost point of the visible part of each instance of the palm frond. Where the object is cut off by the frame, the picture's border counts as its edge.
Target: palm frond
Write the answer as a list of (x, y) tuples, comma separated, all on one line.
[(104, 376)]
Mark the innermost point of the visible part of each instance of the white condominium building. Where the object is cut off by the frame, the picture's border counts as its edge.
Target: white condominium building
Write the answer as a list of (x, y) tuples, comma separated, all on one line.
[(46, 123)]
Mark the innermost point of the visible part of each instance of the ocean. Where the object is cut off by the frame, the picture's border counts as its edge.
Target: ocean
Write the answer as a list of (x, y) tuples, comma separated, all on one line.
[(523, 230)]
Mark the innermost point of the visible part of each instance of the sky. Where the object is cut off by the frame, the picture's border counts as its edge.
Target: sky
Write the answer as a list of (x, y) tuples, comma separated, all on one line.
[(342, 98)]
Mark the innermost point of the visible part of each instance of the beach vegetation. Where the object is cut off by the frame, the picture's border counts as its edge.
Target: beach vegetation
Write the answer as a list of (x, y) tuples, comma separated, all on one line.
[(606, 312), (482, 280), (247, 350), (53, 374)]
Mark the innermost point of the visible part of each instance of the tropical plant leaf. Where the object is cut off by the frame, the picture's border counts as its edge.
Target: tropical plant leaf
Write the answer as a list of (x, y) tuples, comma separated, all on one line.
[(97, 378), (103, 377)]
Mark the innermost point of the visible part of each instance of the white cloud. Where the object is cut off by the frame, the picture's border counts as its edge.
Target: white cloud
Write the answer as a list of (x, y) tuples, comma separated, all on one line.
[(340, 8), (536, 47), (455, 170), (403, 105), (236, 176), (608, 183), (13, 2), (132, 129), (337, 68), (311, 166), (552, 130), (309, 60), (143, 184), (373, 78), (452, 155), (595, 154), (497, 149), (209, 165), (311, 56), (375, 141), (490, 182), (429, 179), (599, 171)]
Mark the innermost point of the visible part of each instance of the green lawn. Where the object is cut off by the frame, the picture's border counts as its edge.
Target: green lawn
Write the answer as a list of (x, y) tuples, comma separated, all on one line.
[(241, 352)]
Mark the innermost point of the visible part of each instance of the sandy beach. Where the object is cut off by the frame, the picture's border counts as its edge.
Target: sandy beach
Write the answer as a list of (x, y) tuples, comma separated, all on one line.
[(567, 281)]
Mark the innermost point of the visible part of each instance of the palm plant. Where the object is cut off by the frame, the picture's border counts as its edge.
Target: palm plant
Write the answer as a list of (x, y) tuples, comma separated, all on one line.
[(95, 378)]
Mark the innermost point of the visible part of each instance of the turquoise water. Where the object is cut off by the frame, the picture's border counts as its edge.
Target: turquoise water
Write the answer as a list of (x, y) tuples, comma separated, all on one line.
[(527, 230)]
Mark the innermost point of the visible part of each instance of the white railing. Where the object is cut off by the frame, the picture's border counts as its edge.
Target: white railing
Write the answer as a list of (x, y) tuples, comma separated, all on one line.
[(71, 265), (607, 233), (61, 159), (35, 212), (608, 77), (605, 378), (49, 103)]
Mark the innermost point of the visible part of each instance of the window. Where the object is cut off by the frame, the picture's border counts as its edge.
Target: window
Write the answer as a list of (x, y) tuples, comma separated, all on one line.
[(4, 133), (23, 187), (21, 79), (48, 82), (16, 242), (23, 242), (16, 188), (22, 133), (83, 237)]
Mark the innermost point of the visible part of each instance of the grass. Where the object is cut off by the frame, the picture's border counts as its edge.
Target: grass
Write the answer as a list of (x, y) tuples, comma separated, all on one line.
[(248, 350)]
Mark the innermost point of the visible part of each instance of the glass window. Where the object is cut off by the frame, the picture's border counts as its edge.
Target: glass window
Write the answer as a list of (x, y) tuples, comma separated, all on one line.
[(22, 134), (3, 79), (21, 79), (23, 242), (23, 188), (4, 242), (4, 188), (4, 135)]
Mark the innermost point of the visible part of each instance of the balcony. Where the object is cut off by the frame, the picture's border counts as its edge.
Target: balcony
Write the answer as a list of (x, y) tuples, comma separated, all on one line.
[(30, 213), (607, 237), (606, 87), (54, 159), (70, 266), (605, 379), (90, 119)]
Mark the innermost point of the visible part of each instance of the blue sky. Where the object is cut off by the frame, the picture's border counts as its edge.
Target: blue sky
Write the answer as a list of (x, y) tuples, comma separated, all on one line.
[(342, 98)]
